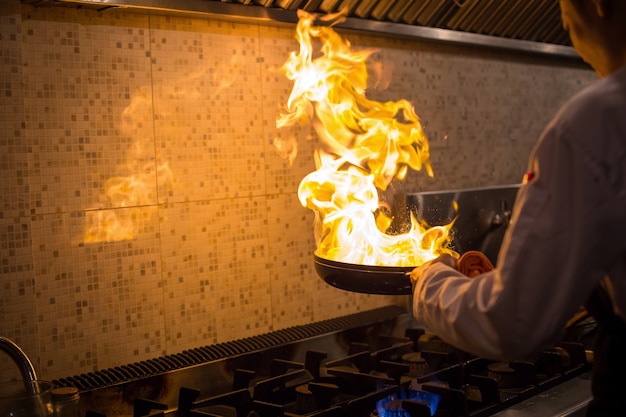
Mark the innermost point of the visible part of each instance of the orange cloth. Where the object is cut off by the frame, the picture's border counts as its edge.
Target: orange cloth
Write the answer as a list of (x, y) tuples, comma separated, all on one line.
[(473, 263)]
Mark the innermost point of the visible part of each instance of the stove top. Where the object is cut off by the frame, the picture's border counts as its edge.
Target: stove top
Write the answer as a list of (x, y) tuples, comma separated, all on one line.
[(376, 363)]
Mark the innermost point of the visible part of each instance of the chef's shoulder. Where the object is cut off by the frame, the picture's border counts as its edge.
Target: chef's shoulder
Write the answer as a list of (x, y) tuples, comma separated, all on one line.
[(594, 122), (600, 105)]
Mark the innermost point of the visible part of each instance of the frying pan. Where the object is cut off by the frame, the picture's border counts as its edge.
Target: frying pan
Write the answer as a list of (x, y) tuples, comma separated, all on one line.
[(481, 217), (369, 279)]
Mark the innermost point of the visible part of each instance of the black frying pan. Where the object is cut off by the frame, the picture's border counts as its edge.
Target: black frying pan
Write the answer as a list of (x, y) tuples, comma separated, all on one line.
[(369, 279)]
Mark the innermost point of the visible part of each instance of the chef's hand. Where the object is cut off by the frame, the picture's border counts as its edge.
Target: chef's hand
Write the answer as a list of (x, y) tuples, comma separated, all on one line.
[(445, 258)]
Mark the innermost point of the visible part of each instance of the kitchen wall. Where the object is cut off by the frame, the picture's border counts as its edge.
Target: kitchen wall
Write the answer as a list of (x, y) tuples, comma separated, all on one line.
[(144, 208)]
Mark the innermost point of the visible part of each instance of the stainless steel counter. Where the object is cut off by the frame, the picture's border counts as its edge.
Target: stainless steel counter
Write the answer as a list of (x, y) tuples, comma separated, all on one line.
[(569, 399)]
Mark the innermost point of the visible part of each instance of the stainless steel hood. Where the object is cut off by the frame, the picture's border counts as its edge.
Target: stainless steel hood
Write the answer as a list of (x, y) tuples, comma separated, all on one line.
[(532, 26)]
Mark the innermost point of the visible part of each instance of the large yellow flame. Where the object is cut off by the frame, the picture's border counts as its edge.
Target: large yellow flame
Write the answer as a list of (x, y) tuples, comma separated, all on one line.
[(367, 145)]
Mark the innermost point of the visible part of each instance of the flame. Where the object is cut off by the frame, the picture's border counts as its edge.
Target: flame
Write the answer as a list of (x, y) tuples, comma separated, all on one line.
[(392, 406), (366, 145)]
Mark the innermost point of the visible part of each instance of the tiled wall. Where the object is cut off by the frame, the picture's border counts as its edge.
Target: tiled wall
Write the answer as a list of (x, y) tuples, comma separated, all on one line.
[(164, 126)]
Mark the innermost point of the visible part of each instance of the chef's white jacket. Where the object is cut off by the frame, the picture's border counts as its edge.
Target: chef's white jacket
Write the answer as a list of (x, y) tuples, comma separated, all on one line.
[(567, 234)]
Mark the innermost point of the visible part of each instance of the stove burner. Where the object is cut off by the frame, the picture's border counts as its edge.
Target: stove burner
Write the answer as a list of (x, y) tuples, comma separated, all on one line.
[(409, 403), (512, 374), (503, 374), (417, 364), (393, 408)]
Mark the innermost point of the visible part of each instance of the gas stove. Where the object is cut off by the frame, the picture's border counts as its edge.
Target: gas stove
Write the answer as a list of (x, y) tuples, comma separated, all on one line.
[(377, 363)]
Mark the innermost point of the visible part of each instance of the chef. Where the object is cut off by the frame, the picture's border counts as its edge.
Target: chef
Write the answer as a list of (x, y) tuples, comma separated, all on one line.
[(566, 244)]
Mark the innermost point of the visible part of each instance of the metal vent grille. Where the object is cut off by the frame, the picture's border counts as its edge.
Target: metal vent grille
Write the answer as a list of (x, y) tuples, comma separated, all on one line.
[(531, 20), (536, 22)]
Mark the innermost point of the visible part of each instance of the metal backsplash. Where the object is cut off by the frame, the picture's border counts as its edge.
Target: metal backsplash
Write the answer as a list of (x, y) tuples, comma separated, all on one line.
[(482, 215), (523, 25)]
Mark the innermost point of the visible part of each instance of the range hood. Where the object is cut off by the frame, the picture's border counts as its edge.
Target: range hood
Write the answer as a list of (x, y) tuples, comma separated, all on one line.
[(532, 26)]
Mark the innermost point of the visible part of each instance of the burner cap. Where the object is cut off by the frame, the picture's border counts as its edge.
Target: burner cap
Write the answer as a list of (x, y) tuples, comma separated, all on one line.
[(504, 374), (417, 364)]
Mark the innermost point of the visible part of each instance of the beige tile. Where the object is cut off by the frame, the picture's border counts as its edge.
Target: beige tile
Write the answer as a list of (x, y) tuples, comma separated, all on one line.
[(96, 302)]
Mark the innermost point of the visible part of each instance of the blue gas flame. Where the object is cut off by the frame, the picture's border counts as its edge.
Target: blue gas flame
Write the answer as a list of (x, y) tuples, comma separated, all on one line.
[(427, 397)]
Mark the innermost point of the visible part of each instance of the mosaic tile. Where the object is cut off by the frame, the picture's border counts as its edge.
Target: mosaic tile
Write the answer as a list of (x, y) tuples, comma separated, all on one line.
[(96, 302), (17, 317), (13, 146), (209, 125), (291, 247), (215, 271), (88, 133), (18, 320)]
